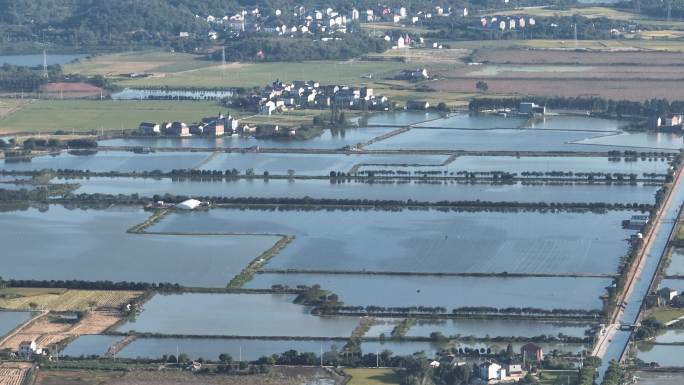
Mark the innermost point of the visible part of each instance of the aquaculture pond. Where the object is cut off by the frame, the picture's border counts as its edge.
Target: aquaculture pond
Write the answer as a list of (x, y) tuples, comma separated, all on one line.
[(676, 266), (327, 140), (423, 191), (90, 345), (656, 378), (640, 141), (397, 291), (663, 355), (93, 245), (242, 315), (310, 164), (103, 161), (211, 348), (574, 164), (37, 59), (509, 140), (474, 122), (671, 336), (426, 240), (9, 320), (481, 328), (396, 118), (574, 122)]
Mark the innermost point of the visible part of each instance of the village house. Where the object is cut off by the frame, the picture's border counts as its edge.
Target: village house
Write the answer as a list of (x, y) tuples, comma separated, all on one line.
[(491, 371), (414, 75), (532, 352), (417, 105), (531, 108), (178, 129), (146, 128), (670, 122), (29, 348)]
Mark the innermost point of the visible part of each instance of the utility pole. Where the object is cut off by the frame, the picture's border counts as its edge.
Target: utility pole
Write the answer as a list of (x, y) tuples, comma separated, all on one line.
[(45, 70)]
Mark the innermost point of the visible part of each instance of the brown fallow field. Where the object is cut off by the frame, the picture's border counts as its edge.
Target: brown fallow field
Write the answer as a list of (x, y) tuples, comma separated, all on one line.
[(615, 75), (277, 376), (581, 57)]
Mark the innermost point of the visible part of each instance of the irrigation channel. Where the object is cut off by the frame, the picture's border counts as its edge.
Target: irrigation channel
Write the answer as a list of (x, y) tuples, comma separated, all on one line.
[(617, 339)]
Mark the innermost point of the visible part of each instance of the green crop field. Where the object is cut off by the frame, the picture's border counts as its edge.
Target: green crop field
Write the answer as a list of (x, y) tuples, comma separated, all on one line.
[(558, 378), (372, 376), (86, 115), (131, 62), (260, 74)]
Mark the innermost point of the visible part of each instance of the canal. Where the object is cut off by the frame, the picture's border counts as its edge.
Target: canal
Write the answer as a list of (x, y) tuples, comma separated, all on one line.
[(634, 300)]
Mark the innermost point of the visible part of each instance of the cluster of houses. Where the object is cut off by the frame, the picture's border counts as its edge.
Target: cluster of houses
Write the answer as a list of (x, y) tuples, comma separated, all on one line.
[(316, 21), (209, 126), (507, 22), (491, 371), (281, 97), (670, 122)]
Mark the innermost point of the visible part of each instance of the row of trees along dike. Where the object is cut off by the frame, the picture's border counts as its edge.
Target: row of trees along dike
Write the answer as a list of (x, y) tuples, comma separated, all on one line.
[(647, 109), (234, 174), (464, 310), (90, 285), (306, 203), (40, 194)]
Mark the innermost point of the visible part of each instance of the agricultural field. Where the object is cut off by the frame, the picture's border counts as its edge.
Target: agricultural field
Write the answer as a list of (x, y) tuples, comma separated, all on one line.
[(260, 74), (372, 377), (47, 330), (277, 376), (44, 116), (157, 62), (9, 106), (590, 12), (550, 377), (13, 373), (62, 299)]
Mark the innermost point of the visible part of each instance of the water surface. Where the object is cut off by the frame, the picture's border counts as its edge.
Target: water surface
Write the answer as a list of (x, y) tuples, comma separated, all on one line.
[(427, 240), (90, 345), (236, 315), (499, 292), (518, 165), (37, 59), (103, 161), (327, 140), (93, 245), (522, 140), (9, 320), (663, 355)]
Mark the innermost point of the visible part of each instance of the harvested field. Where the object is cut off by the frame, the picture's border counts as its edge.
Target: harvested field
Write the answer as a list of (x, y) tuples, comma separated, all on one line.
[(47, 333), (70, 90), (277, 376), (64, 300), (593, 58), (612, 89), (13, 373)]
